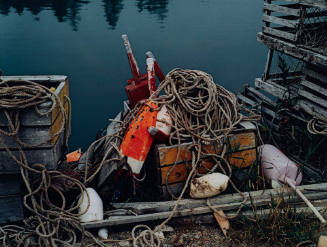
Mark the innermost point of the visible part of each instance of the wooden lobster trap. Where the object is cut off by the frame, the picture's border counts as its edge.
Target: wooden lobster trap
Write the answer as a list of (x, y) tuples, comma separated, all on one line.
[(302, 22), (33, 129), (167, 168)]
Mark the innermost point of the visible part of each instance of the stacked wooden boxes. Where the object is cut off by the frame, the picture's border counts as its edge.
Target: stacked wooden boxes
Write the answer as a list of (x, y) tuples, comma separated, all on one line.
[(34, 129), (241, 152), (307, 88), (291, 98)]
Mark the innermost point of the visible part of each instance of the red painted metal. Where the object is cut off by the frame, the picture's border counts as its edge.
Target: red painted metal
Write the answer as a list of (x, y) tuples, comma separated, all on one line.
[(157, 69), (132, 61)]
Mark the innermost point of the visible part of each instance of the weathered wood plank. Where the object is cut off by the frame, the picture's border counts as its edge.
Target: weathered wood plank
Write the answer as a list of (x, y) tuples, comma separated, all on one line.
[(11, 209), (152, 207), (319, 76), (118, 220), (179, 173), (282, 9), (312, 109), (314, 87), (261, 96), (238, 141), (62, 92), (35, 78), (268, 63), (46, 156), (293, 50), (279, 33), (272, 88), (312, 97), (28, 135), (10, 185), (280, 21), (313, 3)]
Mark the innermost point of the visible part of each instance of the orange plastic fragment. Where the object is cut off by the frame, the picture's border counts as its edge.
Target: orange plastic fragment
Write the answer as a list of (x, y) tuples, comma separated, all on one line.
[(137, 141), (74, 156)]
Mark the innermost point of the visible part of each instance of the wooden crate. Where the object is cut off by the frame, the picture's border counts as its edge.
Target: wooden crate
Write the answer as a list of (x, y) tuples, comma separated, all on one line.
[(36, 129), (296, 22), (241, 152), (11, 201)]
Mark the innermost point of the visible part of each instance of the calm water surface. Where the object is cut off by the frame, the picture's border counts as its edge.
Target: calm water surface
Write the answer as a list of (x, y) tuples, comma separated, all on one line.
[(82, 39)]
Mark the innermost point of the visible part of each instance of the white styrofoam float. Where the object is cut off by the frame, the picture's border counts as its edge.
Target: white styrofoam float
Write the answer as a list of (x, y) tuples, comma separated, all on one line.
[(95, 210), (208, 185)]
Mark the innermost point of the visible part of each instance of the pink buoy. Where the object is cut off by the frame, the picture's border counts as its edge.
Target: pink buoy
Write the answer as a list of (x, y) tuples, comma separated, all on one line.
[(277, 166)]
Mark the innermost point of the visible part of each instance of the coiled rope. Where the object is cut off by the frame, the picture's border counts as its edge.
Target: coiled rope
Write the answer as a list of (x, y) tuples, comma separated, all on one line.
[(203, 113)]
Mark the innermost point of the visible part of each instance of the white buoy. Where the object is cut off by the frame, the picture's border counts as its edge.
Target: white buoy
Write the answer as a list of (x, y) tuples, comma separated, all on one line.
[(95, 211), (103, 233), (208, 185)]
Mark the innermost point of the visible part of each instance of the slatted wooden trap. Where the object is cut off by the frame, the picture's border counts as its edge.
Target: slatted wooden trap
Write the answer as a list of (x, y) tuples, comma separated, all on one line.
[(34, 129), (241, 152)]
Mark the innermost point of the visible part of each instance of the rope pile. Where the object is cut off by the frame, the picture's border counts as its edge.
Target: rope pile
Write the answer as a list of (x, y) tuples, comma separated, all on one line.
[(202, 112)]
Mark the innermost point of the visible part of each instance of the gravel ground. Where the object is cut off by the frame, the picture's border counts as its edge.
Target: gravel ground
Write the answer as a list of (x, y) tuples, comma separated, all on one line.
[(181, 234)]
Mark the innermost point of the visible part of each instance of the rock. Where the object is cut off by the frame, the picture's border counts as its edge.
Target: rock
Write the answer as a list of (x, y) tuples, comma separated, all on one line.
[(180, 241), (124, 243), (167, 228)]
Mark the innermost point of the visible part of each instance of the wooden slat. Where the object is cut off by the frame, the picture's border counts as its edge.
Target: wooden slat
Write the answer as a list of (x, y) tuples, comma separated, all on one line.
[(261, 96), (293, 50), (279, 33), (10, 185), (56, 117), (260, 200), (282, 9), (239, 141), (316, 75), (36, 78), (313, 3), (11, 209), (46, 156), (280, 21), (272, 88), (312, 109), (28, 135), (314, 87), (153, 207), (180, 172), (312, 97)]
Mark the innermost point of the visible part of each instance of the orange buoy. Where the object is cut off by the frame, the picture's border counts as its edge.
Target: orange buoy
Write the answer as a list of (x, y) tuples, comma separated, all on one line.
[(137, 140)]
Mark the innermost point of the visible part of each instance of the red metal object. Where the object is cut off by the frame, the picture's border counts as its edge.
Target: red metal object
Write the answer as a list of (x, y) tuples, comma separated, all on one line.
[(137, 91), (157, 69), (132, 61), (137, 87)]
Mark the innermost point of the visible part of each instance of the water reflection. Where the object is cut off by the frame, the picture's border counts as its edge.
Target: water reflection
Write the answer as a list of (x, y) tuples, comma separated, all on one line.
[(112, 9), (64, 10), (69, 10), (158, 7)]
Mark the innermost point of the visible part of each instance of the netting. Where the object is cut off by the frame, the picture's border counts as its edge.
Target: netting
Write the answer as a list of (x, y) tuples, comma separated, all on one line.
[(313, 28)]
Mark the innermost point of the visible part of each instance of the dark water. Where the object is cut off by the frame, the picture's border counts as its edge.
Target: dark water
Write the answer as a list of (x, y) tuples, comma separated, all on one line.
[(82, 39)]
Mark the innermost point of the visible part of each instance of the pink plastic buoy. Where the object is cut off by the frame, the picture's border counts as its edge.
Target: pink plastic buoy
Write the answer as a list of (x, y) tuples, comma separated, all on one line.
[(277, 166)]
